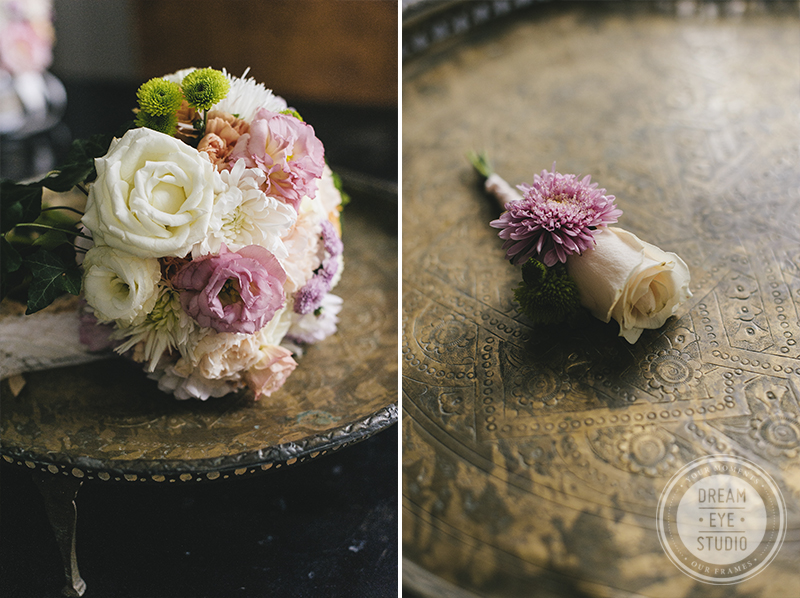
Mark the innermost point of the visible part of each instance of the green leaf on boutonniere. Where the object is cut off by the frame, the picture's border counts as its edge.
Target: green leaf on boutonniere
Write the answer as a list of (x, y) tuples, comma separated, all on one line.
[(546, 295), (480, 162), (51, 277)]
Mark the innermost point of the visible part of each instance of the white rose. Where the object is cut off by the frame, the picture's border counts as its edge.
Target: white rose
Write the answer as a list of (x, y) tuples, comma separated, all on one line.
[(632, 281), (120, 287), (153, 196)]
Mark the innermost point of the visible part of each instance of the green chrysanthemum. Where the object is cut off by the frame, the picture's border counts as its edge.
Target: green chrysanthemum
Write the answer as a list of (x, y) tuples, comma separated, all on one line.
[(292, 112), (159, 97), (205, 87), (546, 295), (163, 124)]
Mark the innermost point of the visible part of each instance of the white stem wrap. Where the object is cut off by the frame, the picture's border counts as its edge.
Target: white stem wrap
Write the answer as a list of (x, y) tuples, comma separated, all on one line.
[(502, 191)]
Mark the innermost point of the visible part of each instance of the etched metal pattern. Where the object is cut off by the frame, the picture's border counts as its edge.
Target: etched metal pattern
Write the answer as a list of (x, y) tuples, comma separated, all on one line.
[(105, 421), (533, 457)]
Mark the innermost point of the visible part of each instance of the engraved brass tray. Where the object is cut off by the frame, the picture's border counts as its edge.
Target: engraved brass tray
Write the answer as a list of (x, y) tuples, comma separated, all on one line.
[(107, 421), (534, 457)]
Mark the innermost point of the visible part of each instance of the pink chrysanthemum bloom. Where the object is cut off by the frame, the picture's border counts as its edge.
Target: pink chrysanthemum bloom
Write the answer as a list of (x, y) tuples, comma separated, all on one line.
[(555, 218)]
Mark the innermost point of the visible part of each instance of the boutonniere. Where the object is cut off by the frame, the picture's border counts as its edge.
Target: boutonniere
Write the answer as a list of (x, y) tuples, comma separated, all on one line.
[(558, 229)]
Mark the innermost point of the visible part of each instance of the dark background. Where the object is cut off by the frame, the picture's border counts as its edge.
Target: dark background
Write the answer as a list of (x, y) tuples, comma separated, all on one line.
[(327, 527)]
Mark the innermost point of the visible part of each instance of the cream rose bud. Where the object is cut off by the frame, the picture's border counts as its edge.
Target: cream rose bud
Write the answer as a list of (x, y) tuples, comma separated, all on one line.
[(153, 196), (634, 282), (120, 287)]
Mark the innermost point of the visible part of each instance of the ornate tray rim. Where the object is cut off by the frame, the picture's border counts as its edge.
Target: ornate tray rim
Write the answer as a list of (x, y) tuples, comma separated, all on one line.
[(250, 462)]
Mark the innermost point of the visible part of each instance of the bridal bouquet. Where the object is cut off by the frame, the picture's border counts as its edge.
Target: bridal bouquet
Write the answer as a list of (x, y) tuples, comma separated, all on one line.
[(209, 242), (558, 231)]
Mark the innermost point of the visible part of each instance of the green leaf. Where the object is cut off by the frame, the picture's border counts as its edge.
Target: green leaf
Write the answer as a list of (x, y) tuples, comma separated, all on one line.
[(480, 162), (72, 280), (51, 278), (51, 239), (10, 259), (546, 295), (79, 165), (337, 182), (69, 175), (11, 282), (18, 203)]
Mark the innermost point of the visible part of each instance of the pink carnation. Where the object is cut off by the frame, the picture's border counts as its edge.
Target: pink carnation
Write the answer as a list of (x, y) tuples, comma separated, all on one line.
[(287, 150), (232, 292), (269, 374)]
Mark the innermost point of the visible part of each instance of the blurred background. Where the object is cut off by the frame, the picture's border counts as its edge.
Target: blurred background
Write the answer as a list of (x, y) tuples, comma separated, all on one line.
[(70, 69), (334, 61)]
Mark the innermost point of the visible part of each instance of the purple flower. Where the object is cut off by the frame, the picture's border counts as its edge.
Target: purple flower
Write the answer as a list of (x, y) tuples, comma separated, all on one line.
[(232, 292), (329, 268), (310, 297), (555, 218), (333, 244)]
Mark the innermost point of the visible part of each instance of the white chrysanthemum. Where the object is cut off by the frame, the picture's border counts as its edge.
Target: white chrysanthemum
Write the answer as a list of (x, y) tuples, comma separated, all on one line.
[(178, 76), (243, 215), (165, 328), (246, 96), (316, 326)]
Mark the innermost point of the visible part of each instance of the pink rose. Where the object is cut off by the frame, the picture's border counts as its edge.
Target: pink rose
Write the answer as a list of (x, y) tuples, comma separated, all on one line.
[(232, 292), (286, 149), (269, 374)]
